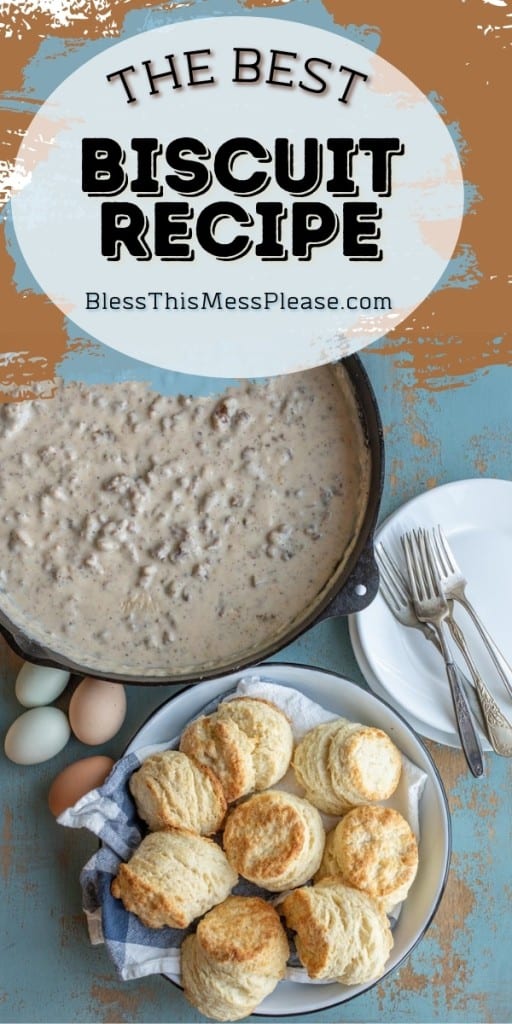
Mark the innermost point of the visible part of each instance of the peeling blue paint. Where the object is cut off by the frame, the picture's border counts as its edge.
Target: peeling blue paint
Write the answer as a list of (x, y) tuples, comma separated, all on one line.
[(299, 10), (458, 973), (22, 276), (436, 102), (472, 196), (464, 426), (57, 58), (460, 143)]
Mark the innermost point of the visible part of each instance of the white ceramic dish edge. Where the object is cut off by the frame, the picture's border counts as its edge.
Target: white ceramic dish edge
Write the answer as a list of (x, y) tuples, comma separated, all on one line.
[(342, 697), (476, 515), (447, 739)]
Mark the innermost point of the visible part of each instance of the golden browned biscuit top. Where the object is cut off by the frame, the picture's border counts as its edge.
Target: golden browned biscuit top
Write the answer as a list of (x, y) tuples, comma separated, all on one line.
[(375, 850), (274, 839), (341, 933), (242, 930), (268, 727), (171, 789), (174, 876), (364, 764), (220, 745), (235, 958), (264, 836)]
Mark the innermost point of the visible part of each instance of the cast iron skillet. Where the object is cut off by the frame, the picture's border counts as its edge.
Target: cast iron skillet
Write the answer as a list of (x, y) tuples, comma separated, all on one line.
[(350, 589)]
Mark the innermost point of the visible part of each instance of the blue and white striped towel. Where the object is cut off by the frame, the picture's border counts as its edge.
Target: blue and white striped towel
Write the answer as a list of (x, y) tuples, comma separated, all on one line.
[(109, 812)]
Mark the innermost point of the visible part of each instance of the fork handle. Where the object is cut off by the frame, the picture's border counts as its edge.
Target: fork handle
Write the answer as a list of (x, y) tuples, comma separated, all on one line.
[(465, 723), (467, 732), (490, 644), (497, 726)]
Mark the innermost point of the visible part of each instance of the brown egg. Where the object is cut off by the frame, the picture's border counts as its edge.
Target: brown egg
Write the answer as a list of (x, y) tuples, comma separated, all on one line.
[(97, 710), (76, 780)]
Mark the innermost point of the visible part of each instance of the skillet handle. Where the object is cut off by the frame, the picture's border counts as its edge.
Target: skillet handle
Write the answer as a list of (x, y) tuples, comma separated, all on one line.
[(359, 589)]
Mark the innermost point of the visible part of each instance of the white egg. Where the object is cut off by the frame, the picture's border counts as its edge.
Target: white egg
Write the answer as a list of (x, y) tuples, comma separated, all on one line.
[(37, 735), (37, 685)]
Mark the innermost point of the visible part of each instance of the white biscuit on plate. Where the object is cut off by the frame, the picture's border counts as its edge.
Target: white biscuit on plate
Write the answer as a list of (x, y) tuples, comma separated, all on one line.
[(341, 933), (220, 745), (373, 849), (311, 766), (173, 877), (364, 764), (170, 789), (269, 729), (342, 764), (274, 839), (235, 958)]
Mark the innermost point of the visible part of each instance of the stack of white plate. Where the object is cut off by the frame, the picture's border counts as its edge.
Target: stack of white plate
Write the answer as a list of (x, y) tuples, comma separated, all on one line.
[(399, 664)]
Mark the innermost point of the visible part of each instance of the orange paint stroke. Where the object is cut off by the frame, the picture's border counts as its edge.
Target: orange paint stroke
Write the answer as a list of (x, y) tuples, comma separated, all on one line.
[(452, 336), (443, 363)]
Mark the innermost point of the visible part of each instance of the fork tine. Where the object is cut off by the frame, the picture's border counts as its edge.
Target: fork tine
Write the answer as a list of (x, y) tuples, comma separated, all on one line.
[(389, 594), (421, 562), (447, 551), (429, 569), (412, 566), (437, 564), (438, 552), (391, 573), (390, 591)]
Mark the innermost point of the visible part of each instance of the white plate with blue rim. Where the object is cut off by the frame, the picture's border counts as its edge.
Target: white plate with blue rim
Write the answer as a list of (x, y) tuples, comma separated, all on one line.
[(345, 698), (398, 663)]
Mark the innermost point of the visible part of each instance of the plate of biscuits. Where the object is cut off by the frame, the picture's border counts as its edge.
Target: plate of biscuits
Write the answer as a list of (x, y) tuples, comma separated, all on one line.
[(294, 843)]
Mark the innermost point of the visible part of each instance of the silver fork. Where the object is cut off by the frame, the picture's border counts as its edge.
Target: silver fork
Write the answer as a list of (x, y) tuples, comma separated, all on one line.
[(432, 608), (454, 587), (396, 593), (499, 729)]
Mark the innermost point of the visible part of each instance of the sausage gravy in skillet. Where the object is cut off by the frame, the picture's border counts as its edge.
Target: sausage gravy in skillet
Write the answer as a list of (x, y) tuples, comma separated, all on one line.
[(156, 535)]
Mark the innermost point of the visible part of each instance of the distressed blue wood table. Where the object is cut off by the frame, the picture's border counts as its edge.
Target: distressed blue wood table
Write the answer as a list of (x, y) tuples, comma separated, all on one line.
[(461, 969), (443, 388)]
